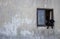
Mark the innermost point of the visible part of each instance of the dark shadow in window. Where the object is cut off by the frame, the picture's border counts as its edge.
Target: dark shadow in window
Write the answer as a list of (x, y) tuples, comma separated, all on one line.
[(44, 16)]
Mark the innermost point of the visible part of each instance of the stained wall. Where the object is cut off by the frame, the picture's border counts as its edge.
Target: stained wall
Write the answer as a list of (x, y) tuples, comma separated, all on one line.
[(16, 15)]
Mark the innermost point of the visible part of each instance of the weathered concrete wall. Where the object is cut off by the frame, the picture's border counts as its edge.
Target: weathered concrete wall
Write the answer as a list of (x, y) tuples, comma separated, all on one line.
[(17, 15), (21, 14), (55, 5)]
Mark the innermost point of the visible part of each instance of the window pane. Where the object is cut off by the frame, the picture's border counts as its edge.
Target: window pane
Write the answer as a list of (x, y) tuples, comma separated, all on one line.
[(41, 17)]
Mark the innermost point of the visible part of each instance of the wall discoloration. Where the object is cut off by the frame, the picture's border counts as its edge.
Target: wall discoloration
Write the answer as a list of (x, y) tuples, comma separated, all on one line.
[(22, 13)]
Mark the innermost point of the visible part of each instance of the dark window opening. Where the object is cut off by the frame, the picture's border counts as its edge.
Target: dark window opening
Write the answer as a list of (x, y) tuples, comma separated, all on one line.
[(44, 15)]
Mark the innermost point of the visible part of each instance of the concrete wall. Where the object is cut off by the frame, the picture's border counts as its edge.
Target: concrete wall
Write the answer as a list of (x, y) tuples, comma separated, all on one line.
[(21, 14), (55, 5)]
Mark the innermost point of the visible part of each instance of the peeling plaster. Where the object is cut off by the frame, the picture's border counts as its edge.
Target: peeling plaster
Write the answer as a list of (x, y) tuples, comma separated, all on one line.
[(11, 27)]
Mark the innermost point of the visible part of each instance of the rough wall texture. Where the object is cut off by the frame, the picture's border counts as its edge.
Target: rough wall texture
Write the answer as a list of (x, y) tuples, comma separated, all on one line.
[(16, 15)]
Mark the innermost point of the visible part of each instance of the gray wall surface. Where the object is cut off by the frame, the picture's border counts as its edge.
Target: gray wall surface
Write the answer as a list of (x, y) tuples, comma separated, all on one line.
[(16, 15)]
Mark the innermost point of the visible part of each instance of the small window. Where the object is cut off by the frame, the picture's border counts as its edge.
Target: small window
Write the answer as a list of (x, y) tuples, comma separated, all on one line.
[(44, 15)]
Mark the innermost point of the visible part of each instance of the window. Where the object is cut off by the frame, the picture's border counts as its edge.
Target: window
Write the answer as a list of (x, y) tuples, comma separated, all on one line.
[(43, 15)]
